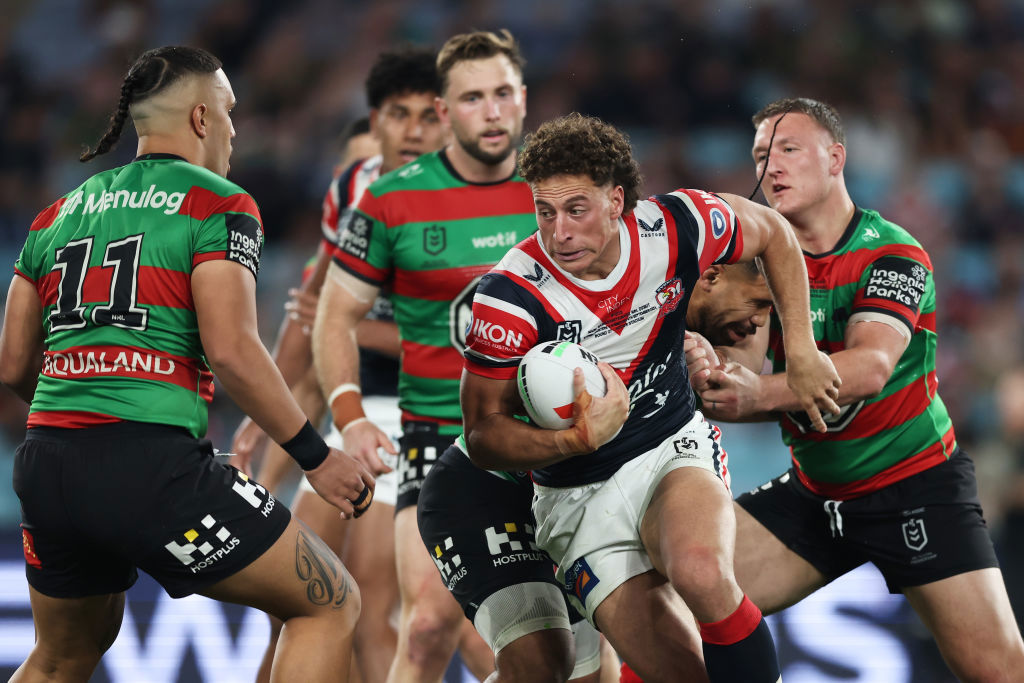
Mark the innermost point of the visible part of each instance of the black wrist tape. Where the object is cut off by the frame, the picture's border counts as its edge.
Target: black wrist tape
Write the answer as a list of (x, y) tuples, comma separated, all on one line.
[(307, 447)]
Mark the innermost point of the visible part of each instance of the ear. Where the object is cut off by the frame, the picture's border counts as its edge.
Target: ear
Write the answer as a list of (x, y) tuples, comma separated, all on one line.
[(617, 199), (441, 107), (198, 120), (524, 100), (709, 278), (836, 158)]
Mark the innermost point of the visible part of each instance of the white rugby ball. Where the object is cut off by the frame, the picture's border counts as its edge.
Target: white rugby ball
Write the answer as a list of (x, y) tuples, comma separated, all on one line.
[(545, 381)]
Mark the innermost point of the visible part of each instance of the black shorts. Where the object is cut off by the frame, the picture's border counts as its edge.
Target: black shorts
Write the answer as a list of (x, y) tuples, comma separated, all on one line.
[(98, 503), (419, 448), (921, 529), (479, 530)]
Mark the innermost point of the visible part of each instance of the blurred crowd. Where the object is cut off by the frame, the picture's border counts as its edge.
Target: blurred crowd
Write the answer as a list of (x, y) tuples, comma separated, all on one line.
[(929, 91)]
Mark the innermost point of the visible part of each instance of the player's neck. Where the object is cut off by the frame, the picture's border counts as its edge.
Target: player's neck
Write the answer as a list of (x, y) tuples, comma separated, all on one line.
[(819, 228), (166, 144), (473, 170)]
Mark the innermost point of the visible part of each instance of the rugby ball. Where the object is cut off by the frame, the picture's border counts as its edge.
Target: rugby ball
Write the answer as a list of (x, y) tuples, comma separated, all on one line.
[(545, 381)]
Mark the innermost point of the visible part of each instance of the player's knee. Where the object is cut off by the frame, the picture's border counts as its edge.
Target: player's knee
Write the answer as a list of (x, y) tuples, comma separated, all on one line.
[(700, 572), (432, 635), (547, 661)]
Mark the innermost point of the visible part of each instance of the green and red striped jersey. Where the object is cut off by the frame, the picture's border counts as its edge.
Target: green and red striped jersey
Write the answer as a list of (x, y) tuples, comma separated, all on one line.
[(431, 235), (112, 262), (876, 272)]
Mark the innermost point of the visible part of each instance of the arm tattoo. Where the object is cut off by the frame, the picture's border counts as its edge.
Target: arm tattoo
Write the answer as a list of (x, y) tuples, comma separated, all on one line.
[(315, 563)]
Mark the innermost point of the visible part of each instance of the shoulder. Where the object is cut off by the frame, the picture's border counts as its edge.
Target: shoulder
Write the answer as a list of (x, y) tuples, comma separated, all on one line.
[(425, 173)]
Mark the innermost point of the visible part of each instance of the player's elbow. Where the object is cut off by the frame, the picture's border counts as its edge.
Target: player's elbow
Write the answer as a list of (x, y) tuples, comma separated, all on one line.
[(228, 354), (872, 376)]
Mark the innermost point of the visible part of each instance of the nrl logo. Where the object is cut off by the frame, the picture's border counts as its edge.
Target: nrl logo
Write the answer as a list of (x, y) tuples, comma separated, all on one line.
[(434, 240), (914, 534)]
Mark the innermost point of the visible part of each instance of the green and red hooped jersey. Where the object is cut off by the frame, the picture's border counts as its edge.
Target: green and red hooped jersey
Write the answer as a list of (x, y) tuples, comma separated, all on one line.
[(112, 263), (431, 236), (877, 269)]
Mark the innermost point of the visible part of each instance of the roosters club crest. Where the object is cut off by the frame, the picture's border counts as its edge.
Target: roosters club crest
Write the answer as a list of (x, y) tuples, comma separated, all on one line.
[(668, 295)]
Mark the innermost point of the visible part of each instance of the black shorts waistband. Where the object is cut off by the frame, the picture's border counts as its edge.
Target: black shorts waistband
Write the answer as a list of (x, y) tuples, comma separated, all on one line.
[(112, 430)]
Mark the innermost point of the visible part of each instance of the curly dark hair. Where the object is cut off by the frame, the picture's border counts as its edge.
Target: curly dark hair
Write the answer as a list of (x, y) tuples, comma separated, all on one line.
[(477, 45), (405, 70), (825, 114), (152, 73), (582, 145)]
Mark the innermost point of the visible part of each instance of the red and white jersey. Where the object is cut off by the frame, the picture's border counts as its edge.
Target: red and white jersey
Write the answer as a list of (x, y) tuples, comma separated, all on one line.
[(634, 319), (343, 194)]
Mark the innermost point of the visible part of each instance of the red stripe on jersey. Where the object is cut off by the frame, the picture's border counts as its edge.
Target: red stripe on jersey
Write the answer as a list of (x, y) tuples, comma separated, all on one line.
[(397, 208), (329, 209), (432, 362), (837, 270), (165, 287), (936, 454), (410, 417), (208, 256), (26, 277), (673, 244), (443, 284), (874, 418), (926, 321), (83, 362), (201, 203), (156, 287), (48, 215), (69, 419), (360, 268), (488, 371)]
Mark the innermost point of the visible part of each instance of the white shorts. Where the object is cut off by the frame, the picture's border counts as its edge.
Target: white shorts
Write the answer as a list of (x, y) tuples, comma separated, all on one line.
[(592, 532), (384, 412)]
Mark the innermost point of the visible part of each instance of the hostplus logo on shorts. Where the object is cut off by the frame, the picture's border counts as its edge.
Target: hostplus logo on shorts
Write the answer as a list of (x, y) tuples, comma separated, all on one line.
[(414, 467), (208, 543), (507, 544), (448, 563)]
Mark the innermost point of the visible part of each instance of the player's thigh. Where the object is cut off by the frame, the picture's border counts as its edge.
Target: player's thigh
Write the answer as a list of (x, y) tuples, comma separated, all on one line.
[(972, 621), (299, 575), (689, 513), (70, 628), (669, 652), (770, 574), (538, 656)]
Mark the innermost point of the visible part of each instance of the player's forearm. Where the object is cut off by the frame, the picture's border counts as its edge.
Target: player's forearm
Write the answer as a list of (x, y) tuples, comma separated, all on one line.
[(864, 373), (292, 353), (787, 278), (500, 442), (336, 359), (380, 336)]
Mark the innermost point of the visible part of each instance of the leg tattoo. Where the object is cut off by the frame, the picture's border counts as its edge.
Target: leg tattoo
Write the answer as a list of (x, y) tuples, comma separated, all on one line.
[(315, 564)]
